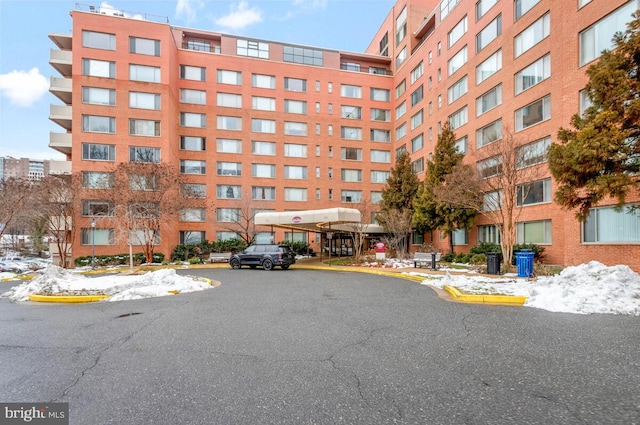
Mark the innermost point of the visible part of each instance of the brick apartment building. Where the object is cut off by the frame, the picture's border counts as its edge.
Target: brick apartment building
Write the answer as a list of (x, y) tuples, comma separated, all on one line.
[(293, 127)]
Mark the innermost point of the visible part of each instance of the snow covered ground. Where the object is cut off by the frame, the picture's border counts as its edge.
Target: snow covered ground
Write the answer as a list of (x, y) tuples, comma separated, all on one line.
[(585, 289)]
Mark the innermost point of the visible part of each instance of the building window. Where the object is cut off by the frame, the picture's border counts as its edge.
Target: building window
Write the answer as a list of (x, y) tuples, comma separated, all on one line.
[(598, 37), (379, 156), (490, 66), (295, 151), (144, 154), (582, 3), (401, 26), (227, 215), (401, 131), (401, 57), (97, 68), (229, 123), (253, 49), (483, 6), (97, 180), (459, 118), (147, 74), (379, 177), (533, 74), (295, 172), (489, 33), (533, 113), (488, 234), (228, 146), (229, 77), (97, 236), (350, 66), (191, 119), (228, 168), (144, 100), (537, 192), (353, 176), (295, 84), (97, 124), (193, 215), (98, 152), (191, 237), (263, 170), (223, 236), (417, 119), (446, 6), (523, 6), (612, 225), (295, 128), (351, 154), (457, 32), (229, 100), (98, 96), (585, 101), (489, 100), (384, 45), (401, 109), (98, 40), (188, 166), (460, 237), (458, 89), (417, 95), (194, 73), (192, 190), (533, 153), (201, 46), (95, 208), (489, 133), (377, 135), (383, 115), (351, 112), (295, 194), (533, 35), (302, 55), (354, 92), (263, 126), (351, 133), (263, 81), (196, 97), (417, 143), (144, 46), (489, 167), (380, 94), (351, 196), (400, 88), (538, 232), (192, 143), (263, 193), (263, 148), (417, 166), (263, 103), (462, 144), (417, 72), (295, 106), (457, 61)]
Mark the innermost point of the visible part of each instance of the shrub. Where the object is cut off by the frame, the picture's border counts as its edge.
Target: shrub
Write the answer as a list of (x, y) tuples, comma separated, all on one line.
[(117, 259), (298, 247), (449, 257), (477, 259), (485, 247)]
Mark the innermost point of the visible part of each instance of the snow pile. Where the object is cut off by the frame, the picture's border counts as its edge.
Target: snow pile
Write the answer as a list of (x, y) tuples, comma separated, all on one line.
[(58, 281)]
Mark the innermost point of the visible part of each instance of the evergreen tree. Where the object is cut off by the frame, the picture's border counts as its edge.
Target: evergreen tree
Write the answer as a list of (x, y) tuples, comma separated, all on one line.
[(600, 156)]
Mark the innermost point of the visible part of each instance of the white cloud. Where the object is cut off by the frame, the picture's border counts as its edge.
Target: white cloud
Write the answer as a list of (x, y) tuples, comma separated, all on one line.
[(240, 16), (310, 5), (23, 88), (188, 9)]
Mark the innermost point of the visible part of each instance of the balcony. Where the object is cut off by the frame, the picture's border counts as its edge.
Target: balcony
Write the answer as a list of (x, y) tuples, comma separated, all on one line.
[(61, 88), (61, 60), (61, 115), (63, 41), (60, 142), (60, 167)]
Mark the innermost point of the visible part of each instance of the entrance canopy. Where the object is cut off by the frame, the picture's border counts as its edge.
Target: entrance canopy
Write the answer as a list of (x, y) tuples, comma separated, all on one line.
[(334, 219)]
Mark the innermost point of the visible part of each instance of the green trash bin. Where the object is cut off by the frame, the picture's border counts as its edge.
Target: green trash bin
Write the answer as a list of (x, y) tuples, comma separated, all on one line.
[(524, 263)]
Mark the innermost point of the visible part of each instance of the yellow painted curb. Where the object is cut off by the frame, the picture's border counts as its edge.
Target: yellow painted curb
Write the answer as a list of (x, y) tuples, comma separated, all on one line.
[(484, 298), (73, 299)]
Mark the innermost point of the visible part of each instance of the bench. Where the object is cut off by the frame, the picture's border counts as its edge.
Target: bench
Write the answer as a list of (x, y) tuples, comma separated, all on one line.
[(423, 259), (219, 256)]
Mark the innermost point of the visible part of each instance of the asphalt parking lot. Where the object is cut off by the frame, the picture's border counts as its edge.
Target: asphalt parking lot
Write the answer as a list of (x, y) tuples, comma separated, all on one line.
[(319, 347)]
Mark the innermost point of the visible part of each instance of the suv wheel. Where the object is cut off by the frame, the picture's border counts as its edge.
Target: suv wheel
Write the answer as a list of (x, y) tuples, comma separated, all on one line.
[(285, 266), (235, 263), (267, 264)]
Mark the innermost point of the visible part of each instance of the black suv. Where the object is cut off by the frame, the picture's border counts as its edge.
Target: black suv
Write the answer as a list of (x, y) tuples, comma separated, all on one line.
[(266, 256)]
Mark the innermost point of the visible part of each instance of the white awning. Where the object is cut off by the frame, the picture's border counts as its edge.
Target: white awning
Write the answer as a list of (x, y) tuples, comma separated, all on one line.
[(311, 220)]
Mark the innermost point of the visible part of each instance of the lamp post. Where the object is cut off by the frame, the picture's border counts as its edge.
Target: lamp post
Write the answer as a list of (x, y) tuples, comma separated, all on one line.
[(93, 245)]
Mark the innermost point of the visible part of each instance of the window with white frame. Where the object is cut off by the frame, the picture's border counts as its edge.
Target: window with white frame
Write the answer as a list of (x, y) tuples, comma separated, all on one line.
[(98, 68), (144, 100), (263, 148), (351, 154), (533, 153), (533, 74), (197, 97), (295, 151), (401, 88), (190, 166), (229, 77), (98, 40), (228, 168), (98, 124), (377, 135), (489, 100), (417, 119), (264, 193), (457, 32), (99, 96), (351, 175), (401, 131), (457, 61), (295, 128), (144, 46), (489, 33), (295, 84), (375, 197), (460, 237), (229, 123), (532, 35), (144, 73), (351, 112), (295, 194), (223, 236), (462, 144), (295, 172), (489, 66), (459, 118), (144, 154), (144, 182), (383, 115), (417, 72), (98, 152), (227, 191), (263, 170), (536, 192), (489, 167), (458, 89), (253, 49), (489, 133), (446, 6), (228, 146), (193, 214), (351, 133), (263, 126), (536, 232), (533, 113), (354, 92), (612, 225), (263, 81), (295, 106), (493, 200), (194, 73), (379, 156), (417, 95), (379, 176), (228, 215), (417, 142), (598, 37), (401, 109), (382, 95), (144, 128), (585, 101), (401, 26), (483, 6), (260, 103), (401, 57), (351, 196), (192, 119), (229, 100), (523, 6)]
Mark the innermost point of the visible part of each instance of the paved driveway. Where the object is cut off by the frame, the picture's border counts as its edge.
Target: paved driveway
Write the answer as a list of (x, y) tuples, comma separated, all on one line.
[(319, 347)]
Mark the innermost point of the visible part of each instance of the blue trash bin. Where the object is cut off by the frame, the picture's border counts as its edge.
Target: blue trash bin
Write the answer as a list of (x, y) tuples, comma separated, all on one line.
[(524, 263)]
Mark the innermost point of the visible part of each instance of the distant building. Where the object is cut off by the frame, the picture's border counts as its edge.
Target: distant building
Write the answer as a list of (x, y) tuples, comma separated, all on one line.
[(32, 169), (302, 127)]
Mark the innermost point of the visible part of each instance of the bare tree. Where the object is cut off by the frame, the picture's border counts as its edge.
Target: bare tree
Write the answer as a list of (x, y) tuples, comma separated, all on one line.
[(358, 231), (239, 218), (502, 180), (398, 226), (15, 195)]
